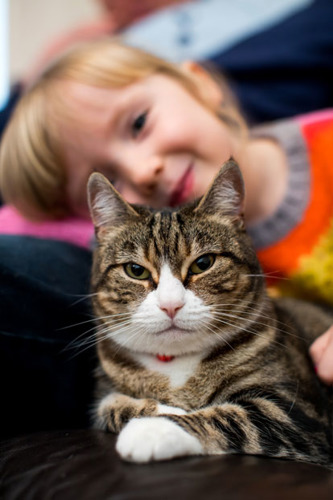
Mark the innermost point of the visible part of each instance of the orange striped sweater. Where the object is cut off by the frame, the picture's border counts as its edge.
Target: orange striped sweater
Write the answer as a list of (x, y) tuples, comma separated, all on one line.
[(297, 241)]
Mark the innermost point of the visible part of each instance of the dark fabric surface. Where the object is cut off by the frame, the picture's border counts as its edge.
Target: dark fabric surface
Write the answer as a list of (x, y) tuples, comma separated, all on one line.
[(46, 380), (7, 110), (9, 106), (83, 465), (284, 70)]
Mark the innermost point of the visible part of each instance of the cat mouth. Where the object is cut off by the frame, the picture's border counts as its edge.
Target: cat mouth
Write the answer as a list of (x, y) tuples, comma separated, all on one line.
[(183, 188), (175, 331)]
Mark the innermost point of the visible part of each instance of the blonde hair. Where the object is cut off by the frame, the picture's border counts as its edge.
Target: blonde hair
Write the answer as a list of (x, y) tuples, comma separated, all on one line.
[(32, 167)]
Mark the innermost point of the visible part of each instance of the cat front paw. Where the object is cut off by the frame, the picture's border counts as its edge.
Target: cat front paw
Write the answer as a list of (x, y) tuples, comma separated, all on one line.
[(114, 411), (155, 438)]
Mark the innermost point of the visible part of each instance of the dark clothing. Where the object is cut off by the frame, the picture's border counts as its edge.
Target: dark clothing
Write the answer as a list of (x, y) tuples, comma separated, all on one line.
[(285, 70), (47, 382), (7, 110)]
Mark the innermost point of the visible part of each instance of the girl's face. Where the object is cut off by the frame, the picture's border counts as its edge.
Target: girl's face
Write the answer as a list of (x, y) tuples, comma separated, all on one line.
[(155, 142)]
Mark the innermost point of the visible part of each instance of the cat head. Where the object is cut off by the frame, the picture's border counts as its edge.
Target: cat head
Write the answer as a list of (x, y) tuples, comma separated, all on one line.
[(173, 281)]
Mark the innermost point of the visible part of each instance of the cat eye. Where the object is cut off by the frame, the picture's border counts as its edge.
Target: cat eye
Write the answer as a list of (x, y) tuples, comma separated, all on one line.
[(202, 264), (136, 271), (139, 123)]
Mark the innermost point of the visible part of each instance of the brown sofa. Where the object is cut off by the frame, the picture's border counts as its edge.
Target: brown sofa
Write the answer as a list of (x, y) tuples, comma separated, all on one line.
[(83, 465)]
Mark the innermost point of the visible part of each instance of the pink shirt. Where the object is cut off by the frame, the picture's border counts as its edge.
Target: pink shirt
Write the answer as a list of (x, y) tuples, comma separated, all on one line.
[(73, 230)]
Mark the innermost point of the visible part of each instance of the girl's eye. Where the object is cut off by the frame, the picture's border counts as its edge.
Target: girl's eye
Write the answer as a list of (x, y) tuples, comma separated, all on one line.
[(202, 264), (136, 271), (139, 123)]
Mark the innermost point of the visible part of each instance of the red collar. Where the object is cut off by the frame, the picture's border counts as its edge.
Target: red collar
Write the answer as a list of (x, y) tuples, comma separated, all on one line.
[(164, 358)]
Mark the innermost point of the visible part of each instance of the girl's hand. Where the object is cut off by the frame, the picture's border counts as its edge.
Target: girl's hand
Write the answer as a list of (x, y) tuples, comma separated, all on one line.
[(321, 352)]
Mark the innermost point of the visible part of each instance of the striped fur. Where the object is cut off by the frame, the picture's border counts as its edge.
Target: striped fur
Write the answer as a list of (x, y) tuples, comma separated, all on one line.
[(250, 386)]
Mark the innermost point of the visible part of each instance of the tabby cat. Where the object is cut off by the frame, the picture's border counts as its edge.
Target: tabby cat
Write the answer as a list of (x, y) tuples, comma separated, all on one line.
[(195, 358)]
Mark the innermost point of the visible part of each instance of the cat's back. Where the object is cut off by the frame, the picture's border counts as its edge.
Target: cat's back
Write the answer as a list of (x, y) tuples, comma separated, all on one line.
[(306, 319)]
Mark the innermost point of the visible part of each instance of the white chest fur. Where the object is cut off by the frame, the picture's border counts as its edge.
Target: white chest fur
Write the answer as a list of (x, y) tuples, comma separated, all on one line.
[(179, 370)]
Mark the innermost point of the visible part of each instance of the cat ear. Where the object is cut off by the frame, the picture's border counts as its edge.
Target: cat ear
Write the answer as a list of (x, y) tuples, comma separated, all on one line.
[(226, 193), (107, 207)]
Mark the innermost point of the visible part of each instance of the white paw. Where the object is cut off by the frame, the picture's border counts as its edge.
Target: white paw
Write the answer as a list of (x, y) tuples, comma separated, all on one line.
[(155, 438), (170, 410)]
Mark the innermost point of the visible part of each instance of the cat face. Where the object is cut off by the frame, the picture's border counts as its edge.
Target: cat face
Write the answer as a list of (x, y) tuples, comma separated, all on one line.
[(173, 281)]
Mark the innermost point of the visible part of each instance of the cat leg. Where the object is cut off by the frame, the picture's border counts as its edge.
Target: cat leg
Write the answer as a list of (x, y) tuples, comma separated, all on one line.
[(213, 430), (115, 410), (260, 427)]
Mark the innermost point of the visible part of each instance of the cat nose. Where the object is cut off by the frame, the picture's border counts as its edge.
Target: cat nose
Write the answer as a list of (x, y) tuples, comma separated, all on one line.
[(172, 309)]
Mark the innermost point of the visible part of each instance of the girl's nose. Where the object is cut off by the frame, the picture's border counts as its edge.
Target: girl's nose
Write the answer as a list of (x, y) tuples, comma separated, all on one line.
[(147, 174)]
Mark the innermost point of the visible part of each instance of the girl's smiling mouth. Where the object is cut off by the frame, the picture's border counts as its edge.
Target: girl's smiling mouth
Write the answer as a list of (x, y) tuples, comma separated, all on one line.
[(183, 188)]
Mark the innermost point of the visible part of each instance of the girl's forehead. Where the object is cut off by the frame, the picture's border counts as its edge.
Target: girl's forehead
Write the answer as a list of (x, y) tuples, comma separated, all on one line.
[(82, 107), (79, 93), (87, 103), (97, 94)]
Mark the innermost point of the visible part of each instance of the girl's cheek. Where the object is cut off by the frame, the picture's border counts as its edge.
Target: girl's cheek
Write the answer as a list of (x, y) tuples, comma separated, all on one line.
[(177, 134)]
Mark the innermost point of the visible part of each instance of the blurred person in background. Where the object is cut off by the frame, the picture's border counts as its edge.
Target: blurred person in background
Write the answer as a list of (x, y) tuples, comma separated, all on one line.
[(277, 56)]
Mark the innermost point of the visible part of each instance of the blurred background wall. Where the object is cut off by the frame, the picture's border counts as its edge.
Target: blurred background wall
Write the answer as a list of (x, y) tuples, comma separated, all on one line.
[(33, 23)]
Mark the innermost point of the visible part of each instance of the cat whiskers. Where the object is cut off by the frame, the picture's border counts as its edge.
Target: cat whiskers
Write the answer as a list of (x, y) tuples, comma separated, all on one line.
[(271, 275), (109, 327), (73, 325), (123, 327), (251, 314), (83, 298), (94, 339), (207, 325), (247, 329), (245, 310), (92, 320), (138, 331)]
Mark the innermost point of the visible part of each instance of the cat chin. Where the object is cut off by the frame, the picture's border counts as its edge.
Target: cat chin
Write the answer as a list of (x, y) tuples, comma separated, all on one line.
[(174, 334), (173, 342)]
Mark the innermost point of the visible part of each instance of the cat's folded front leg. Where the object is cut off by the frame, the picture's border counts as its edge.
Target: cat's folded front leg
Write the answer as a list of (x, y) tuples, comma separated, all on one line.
[(259, 427), (115, 410), (205, 431)]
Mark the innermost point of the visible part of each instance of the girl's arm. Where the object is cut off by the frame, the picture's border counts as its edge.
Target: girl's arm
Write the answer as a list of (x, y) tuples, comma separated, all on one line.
[(321, 352)]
